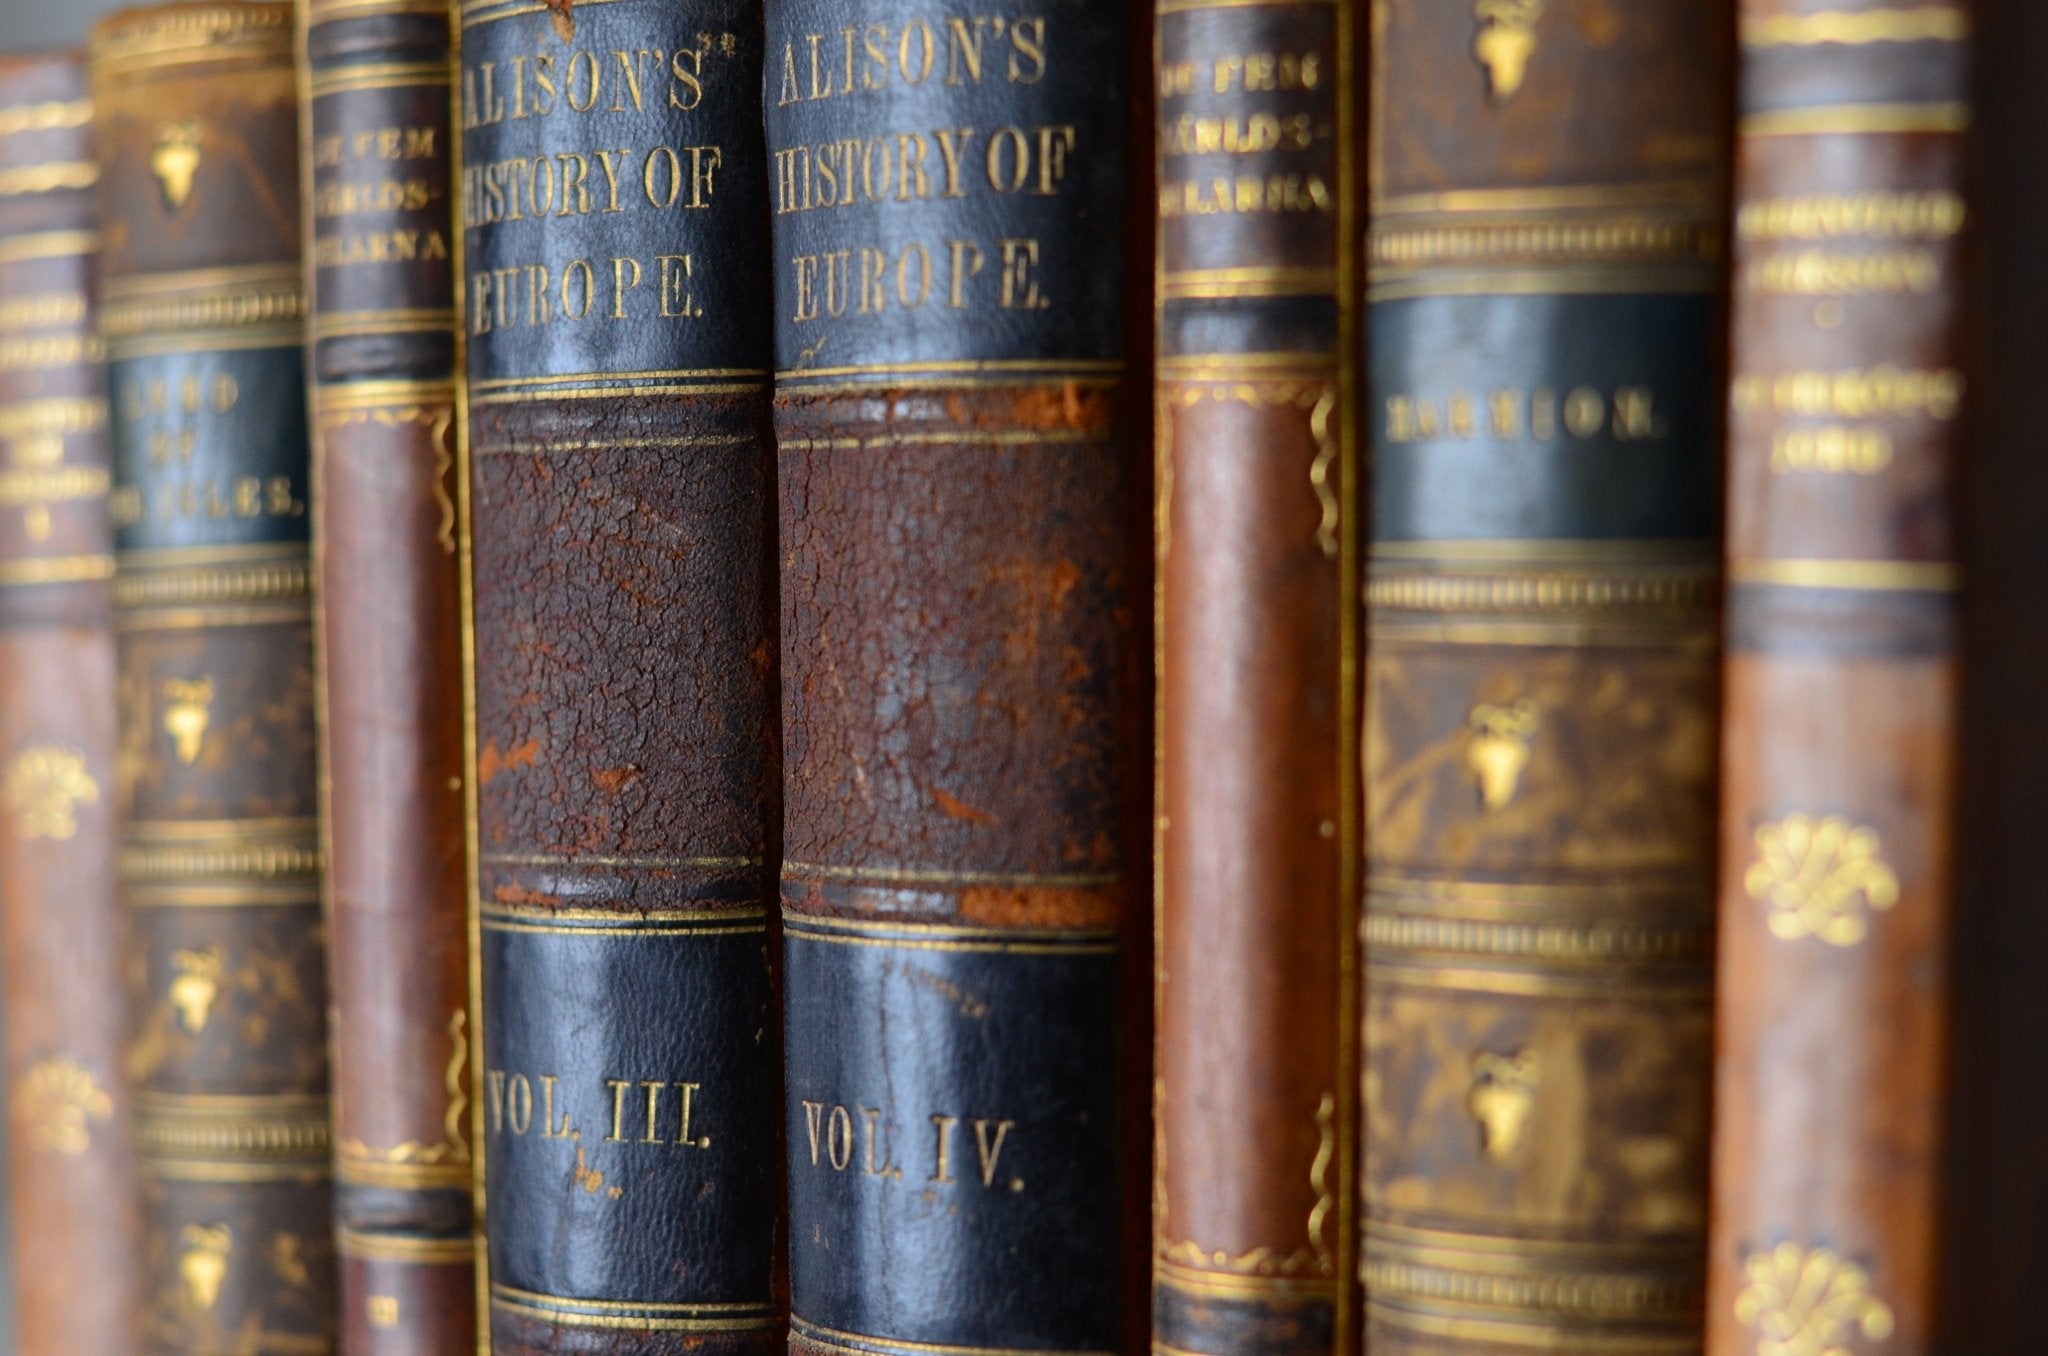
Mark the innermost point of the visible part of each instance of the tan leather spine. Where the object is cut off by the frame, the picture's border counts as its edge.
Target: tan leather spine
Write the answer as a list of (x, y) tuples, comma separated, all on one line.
[(1257, 533), (376, 79), (202, 310), (1838, 761), (71, 1167)]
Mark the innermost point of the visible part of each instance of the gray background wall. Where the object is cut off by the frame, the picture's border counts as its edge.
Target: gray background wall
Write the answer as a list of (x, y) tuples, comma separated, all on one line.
[(29, 25)]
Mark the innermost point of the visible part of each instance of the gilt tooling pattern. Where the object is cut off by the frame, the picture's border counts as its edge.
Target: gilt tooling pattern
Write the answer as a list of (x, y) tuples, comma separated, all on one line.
[(959, 609), (1544, 243), (1838, 764), (1254, 1221), (613, 203), (379, 207), (202, 311), (71, 1167)]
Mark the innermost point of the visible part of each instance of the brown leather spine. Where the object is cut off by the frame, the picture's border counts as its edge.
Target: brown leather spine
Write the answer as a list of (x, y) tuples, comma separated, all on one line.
[(376, 81), (1841, 699), (1544, 281), (1256, 1088), (202, 312), (71, 1165)]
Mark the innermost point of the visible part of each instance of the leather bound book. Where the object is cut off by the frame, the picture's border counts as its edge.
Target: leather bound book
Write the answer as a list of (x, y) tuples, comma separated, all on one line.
[(961, 631), (614, 205), (1256, 1082), (71, 1164), (1838, 763), (1545, 239), (202, 310), (377, 79)]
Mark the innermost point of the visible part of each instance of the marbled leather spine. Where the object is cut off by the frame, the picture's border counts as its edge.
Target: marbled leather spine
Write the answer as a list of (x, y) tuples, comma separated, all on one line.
[(203, 310)]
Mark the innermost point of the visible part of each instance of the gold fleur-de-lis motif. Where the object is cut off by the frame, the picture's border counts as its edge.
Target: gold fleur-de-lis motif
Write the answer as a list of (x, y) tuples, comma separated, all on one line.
[(196, 986), (1503, 1094), (187, 714), (43, 788), (56, 1102), (1506, 41), (203, 1263), (1820, 878), (1502, 737), (175, 161), (1808, 1303)]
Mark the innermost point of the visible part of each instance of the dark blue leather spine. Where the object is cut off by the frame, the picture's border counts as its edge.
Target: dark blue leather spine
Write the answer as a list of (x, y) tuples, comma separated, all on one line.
[(614, 205)]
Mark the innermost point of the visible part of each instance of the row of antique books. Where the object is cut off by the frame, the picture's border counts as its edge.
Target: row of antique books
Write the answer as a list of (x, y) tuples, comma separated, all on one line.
[(1242, 677)]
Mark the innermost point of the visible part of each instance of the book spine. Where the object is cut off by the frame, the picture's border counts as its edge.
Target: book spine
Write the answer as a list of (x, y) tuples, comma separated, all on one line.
[(376, 85), (961, 626), (614, 206), (202, 310), (70, 1154), (1257, 642), (1546, 216), (1838, 762)]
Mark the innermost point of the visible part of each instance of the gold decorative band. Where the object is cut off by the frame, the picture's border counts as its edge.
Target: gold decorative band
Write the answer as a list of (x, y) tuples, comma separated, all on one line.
[(22, 180), (347, 324), (265, 295), (55, 570), (1857, 27), (1696, 201), (495, 917), (359, 1171), (1553, 941), (382, 395), (570, 1311), (48, 116), (912, 876), (1857, 119), (303, 1173), (146, 863), (1564, 279), (1874, 576), (380, 75), (915, 373), (1580, 238), (1670, 987), (232, 1129), (143, 39), (1309, 365), (1203, 1283), (48, 245), (1210, 283), (289, 893), (255, 582), (1192, 6), (372, 1247), (863, 1344), (938, 937), (45, 487), (1530, 1285), (1584, 588)]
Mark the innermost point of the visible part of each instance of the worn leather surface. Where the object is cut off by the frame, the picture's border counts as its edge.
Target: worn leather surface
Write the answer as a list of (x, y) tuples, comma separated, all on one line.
[(1838, 755), (959, 580), (71, 1166), (201, 306), (1544, 253), (627, 773), (1254, 1222), (381, 233)]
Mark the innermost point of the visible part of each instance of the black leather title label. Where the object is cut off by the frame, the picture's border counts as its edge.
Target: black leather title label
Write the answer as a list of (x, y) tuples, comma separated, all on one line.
[(209, 448), (613, 199), (1519, 417), (952, 1147), (947, 186), (622, 1123)]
